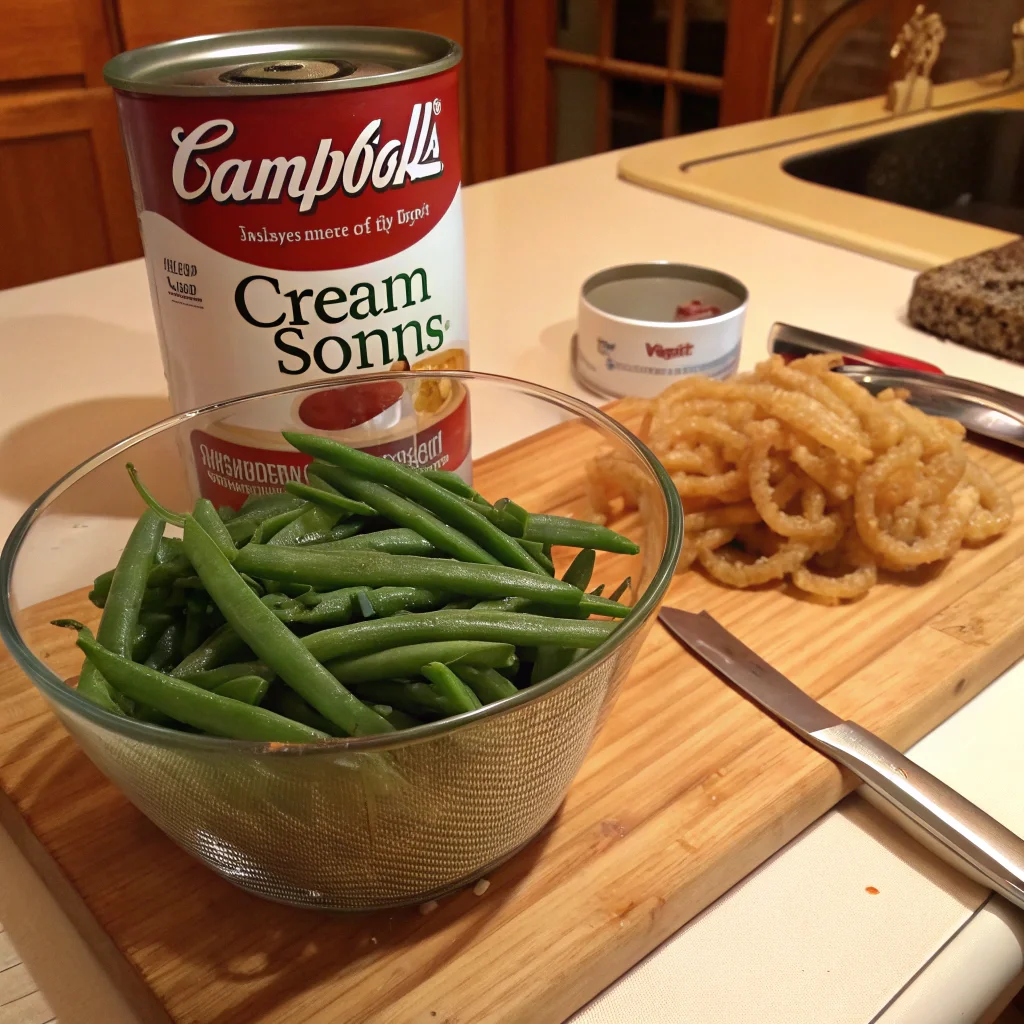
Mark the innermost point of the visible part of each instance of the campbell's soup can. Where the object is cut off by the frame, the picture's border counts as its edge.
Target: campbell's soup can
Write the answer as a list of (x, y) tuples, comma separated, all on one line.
[(299, 198)]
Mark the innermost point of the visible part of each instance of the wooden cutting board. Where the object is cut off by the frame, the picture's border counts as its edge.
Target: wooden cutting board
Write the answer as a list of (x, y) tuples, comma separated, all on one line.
[(687, 789)]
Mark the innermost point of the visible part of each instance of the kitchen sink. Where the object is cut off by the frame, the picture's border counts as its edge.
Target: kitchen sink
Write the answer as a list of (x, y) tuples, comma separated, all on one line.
[(969, 167)]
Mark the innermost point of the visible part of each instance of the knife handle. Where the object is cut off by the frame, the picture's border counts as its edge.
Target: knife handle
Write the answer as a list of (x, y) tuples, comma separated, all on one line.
[(947, 823)]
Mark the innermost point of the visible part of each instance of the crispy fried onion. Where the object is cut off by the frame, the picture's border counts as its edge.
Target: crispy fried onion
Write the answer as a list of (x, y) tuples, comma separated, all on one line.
[(796, 473)]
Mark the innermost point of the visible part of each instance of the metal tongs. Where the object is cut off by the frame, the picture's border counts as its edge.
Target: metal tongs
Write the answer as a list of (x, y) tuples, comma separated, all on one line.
[(983, 410)]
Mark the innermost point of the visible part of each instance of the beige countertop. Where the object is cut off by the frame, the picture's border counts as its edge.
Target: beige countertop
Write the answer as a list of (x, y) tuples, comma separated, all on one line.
[(739, 170), (82, 368)]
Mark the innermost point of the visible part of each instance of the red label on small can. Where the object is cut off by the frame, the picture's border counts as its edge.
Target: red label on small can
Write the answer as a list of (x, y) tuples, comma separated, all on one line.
[(229, 472)]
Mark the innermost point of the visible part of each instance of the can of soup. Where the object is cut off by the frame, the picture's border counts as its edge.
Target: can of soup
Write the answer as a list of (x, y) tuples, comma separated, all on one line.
[(298, 194), (642, 326)]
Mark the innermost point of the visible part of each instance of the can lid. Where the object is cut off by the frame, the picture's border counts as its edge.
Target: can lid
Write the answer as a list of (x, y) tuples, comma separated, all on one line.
[(276, 61)]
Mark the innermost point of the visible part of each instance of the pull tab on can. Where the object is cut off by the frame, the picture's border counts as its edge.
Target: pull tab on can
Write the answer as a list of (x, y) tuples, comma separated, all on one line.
[(276, 72)]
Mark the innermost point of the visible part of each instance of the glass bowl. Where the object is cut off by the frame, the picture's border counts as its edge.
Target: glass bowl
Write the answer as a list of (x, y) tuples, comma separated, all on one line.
[(369, 822)]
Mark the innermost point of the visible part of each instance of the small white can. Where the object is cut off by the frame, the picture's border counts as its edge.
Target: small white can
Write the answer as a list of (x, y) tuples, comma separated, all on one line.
[(642, 326)]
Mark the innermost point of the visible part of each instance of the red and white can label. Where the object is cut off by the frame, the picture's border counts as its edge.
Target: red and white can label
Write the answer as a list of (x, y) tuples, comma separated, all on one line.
[(229, 472), (292, 238)]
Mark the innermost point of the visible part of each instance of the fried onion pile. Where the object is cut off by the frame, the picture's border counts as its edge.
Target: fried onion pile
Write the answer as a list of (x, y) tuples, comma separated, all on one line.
[(794, 472)]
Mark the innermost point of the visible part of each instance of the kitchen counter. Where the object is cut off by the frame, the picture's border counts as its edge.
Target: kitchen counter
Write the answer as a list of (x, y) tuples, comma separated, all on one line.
[(798, 940), (739, 169)]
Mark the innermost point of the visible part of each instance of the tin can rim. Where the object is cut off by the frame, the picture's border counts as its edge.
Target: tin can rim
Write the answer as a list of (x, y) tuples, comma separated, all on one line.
[(148, 69), (666, 268)]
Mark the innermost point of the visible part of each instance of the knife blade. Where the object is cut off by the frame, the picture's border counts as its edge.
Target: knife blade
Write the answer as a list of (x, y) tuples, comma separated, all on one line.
[(937, 816), (990, 412), (792, 342)]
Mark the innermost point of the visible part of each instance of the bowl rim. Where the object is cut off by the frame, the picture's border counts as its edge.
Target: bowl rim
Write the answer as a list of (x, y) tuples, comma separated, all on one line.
[(57, 690)]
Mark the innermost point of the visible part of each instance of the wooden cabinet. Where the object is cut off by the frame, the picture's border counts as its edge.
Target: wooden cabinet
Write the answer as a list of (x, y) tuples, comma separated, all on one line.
[(65, 196)]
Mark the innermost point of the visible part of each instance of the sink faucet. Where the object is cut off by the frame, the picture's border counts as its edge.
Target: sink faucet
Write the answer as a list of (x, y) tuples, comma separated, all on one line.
[(918, 45)]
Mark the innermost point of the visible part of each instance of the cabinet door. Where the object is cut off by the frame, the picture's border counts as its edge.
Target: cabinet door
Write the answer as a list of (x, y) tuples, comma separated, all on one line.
[(144, 22), (65, 196), (53, 43), (477, 25)]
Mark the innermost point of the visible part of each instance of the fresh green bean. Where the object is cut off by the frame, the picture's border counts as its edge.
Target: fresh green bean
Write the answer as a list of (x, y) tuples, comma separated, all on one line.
[(502, 520), (487, 683), (271, 639), (366, 608), (169, 549), (621, 588), (581, 569), (329, 498), (184, 583), (205, 514), (315, 522), (420, 489), (121, 608), (223, 645), (551, 659), (457, 696), (263, 504), (167, 651), (145, 637), (597, 591), (174, 518), (399, 719), (282, 605), (169, 571), (416, 699), (162, 599), (295, 590), (371, 568), (508, 507), (213, 677), (285, 701), (333, 608), (576, 533), (500, 627), (453, 482), (407, 513), (399, 541), (386, 601), (226, 513), (273, 525), (536, 551), (160, 575), (101, 587), (504, 604), (401, 662), (342, 531), (248, 689), (256, 509), (195, 625), (191, 704)]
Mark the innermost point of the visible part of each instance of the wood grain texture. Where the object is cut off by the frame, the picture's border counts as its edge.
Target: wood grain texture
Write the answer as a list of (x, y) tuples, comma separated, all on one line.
[(40, 39), (751, 51), (67, 201), (686, 790), (531, 126), (143, 22), (485, 71)]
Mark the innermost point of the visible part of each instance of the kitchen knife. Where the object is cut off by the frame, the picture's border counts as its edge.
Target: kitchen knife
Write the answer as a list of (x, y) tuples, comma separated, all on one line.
[(937, 816), (793, 342), (990, 412)]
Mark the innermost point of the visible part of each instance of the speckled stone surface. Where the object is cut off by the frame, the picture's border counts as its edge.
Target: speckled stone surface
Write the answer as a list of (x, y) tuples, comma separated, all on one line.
[(976, 301)]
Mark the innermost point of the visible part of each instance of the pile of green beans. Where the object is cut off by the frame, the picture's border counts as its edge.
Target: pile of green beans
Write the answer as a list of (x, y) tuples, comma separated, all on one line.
[(373, 598)]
